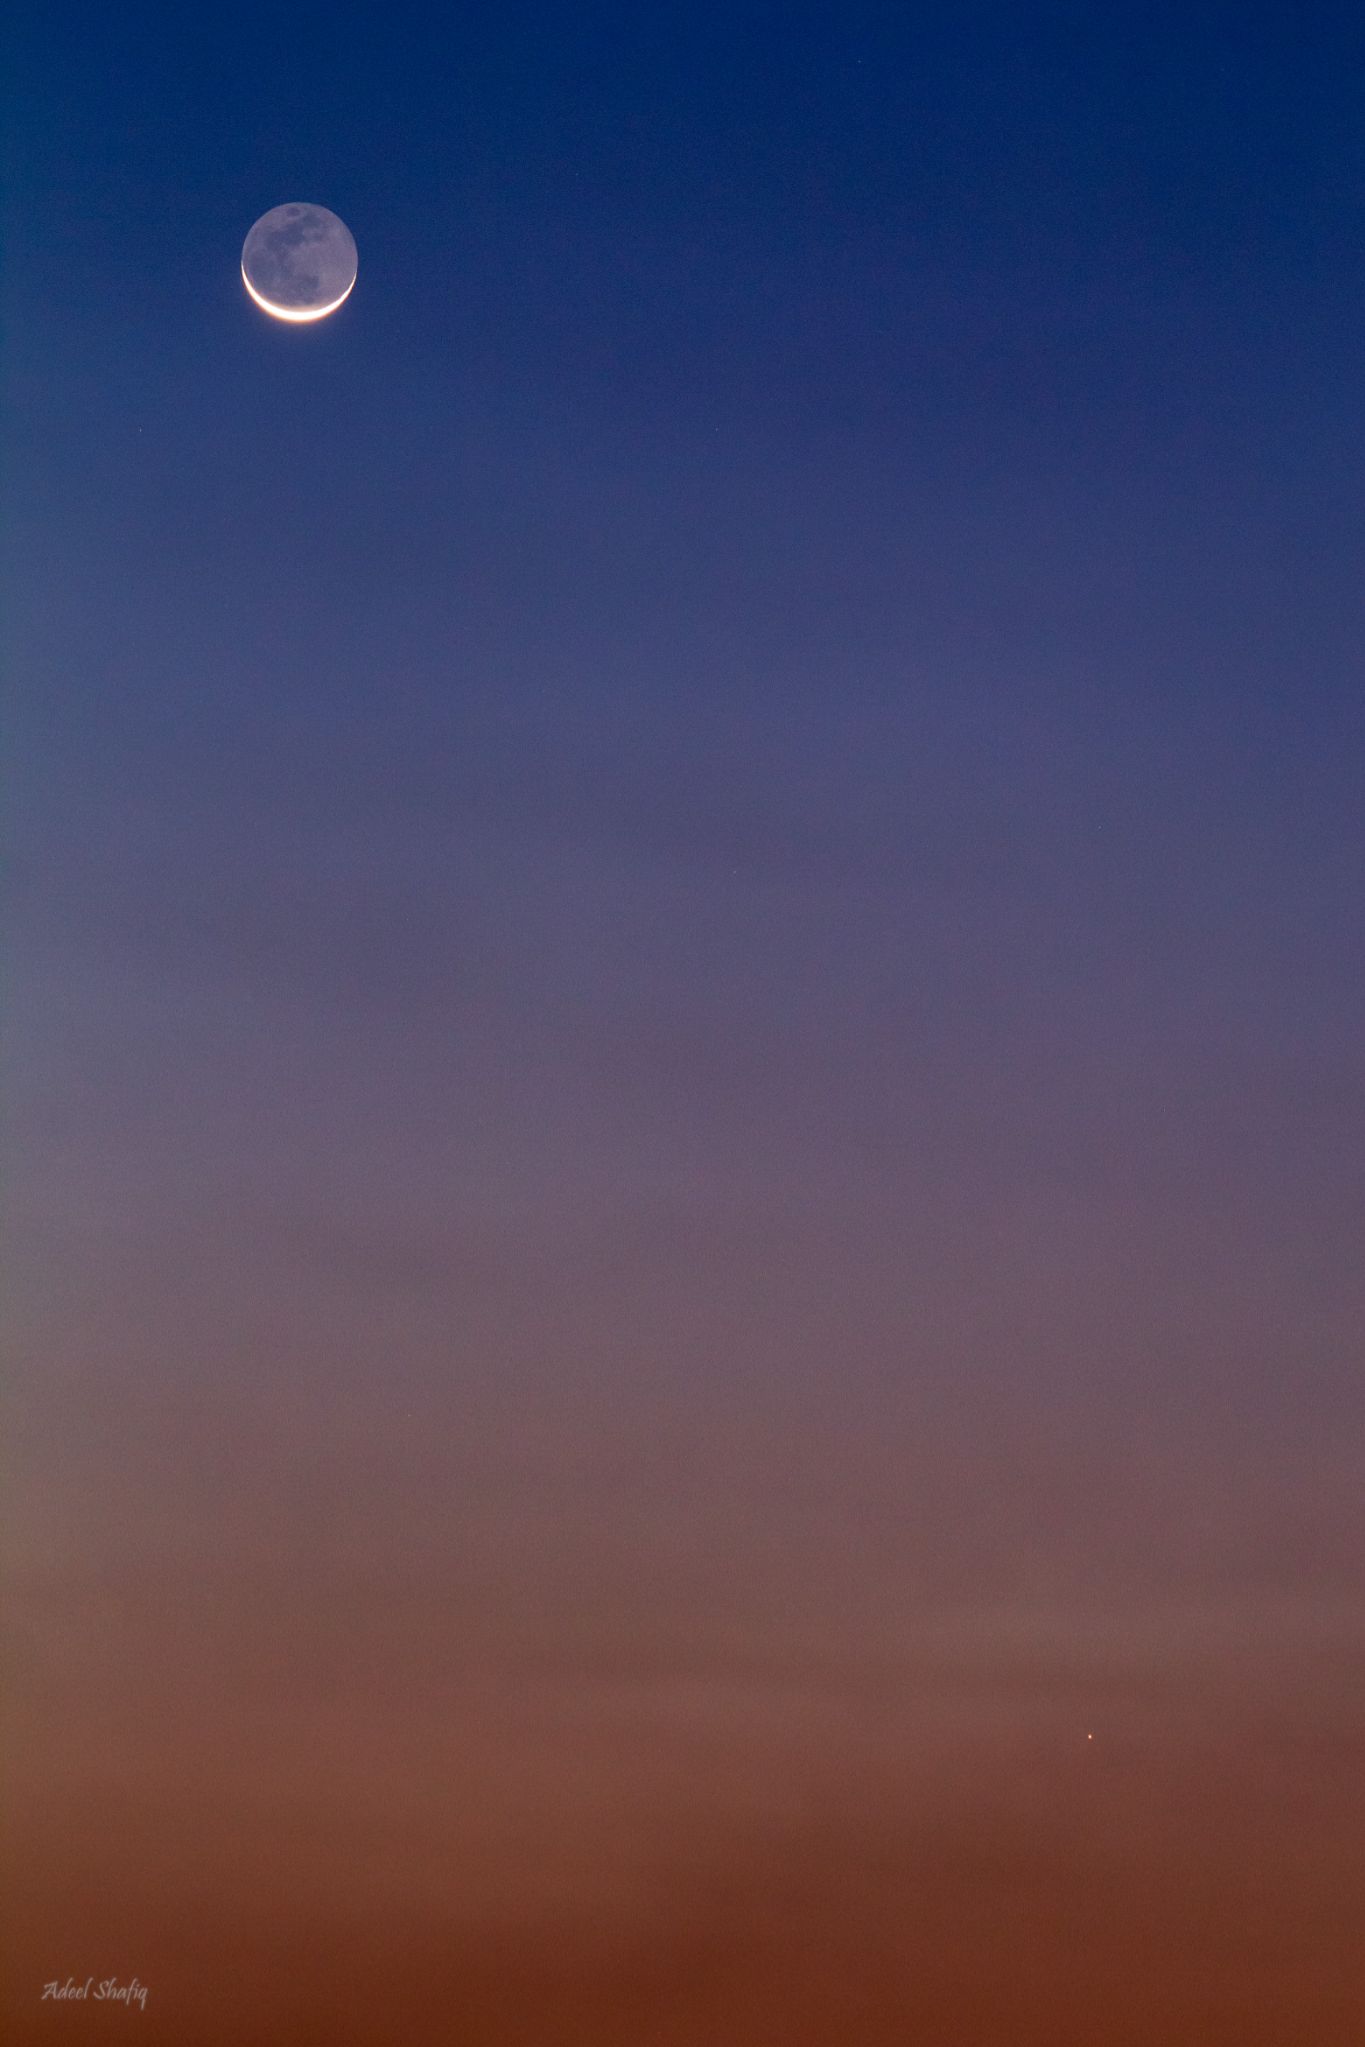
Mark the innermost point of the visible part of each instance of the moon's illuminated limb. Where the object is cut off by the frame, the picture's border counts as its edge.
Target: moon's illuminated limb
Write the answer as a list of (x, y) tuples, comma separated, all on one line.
[(296, 314)]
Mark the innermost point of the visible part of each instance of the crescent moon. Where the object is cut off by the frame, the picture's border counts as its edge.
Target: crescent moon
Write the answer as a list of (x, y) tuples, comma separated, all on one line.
[(299, 263), (292, 313)]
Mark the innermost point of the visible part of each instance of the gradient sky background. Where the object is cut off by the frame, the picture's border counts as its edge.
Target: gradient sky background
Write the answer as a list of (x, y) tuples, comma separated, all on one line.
[(687, 950)]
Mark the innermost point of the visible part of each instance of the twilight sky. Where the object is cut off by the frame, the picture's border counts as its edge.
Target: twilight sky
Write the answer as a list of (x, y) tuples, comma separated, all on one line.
[(686, 1028)]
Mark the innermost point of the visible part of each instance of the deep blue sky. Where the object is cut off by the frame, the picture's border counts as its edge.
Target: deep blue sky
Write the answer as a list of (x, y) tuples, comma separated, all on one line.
[(688, 950)]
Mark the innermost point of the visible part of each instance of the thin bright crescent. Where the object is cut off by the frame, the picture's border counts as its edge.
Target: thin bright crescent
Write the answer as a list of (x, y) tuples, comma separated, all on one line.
[(294, 315)]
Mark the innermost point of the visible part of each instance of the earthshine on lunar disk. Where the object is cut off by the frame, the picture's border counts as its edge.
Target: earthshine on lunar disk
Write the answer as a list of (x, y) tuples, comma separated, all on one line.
[(299, 262)]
